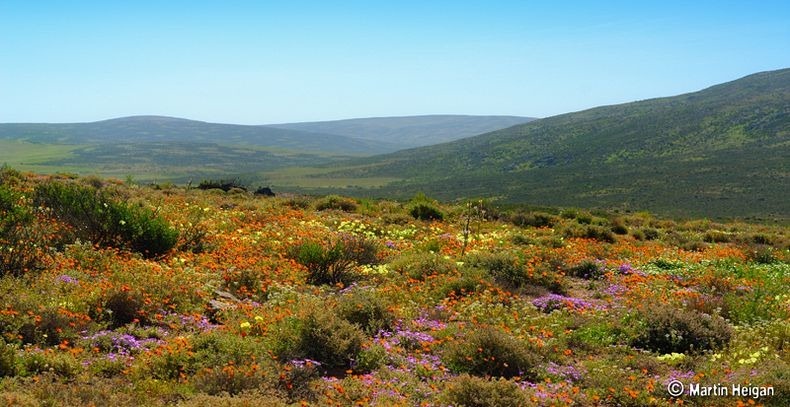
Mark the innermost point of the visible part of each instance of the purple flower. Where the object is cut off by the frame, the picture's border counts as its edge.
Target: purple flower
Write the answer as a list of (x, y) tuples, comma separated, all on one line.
[(65, 278), (390, 244), (552, 302), (626, 269), (615, 290)]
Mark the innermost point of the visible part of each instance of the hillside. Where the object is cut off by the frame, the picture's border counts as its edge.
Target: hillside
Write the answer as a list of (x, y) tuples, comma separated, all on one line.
[(411, 131), (722, 151), (165, 148)]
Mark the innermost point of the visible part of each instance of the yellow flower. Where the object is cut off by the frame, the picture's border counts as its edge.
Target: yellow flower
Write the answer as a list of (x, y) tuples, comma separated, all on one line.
[(245, 325)]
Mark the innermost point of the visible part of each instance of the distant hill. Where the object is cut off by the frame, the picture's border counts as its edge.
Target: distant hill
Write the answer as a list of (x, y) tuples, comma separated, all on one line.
[(410, 131), (722, 151), (168, 148), (160, 129)]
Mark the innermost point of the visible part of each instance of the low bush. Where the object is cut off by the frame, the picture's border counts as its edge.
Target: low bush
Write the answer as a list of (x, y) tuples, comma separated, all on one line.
[(491, 352), (667, 329), (509, 271), (20, 241), (425, 211), (421, 265), (469, 391), (223, 184), (587, 269), (337, 203), (334, 263), (7, 359), (124, 307), (595, 232), (366, 309), (95, 216), (533, 219), (320, 335)]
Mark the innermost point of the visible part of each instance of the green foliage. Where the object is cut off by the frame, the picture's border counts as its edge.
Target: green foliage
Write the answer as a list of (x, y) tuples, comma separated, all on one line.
[(587, 269), (20, 240), (61, 364), (717, 146), (599, 233), (421, 265), (223, 184), (533, 219), (667, 329), (509, 271), (371, 358), (125, 307), (334, 263), (96, 217), (8, 359), (469, 391), (320, 335), (366, 309), (491, 352), (425, 211), (336, 202)]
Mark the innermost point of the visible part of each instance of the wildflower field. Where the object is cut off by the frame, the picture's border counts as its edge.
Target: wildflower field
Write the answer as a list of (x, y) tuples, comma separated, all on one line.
[(126, 295)]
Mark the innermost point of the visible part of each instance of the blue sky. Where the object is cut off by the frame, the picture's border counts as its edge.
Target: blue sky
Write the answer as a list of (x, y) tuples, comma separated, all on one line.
[(256, 62)]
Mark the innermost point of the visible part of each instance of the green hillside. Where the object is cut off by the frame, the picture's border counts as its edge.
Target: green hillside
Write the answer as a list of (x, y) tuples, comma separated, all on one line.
[(164, 148), (723, 151), (411, 131)]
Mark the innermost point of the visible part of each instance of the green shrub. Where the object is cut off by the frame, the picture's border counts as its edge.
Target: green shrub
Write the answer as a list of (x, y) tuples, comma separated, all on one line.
[(587, 269), (297, 202), (533, 219), (223, 184), (509, 271), (96, 217), (468, 391), (334, 263), (420, 265), (320, 335), (650, 233), (396, 219), (20, 242), (470, 281), (230, 379), (425, 211), (619, 227), (522, 240), (7, 359), (61, 364), (366, 309), (124, 308), (491, 352), (337, 203), (371, 358), (599, 233), (717, 236), (667, 329)]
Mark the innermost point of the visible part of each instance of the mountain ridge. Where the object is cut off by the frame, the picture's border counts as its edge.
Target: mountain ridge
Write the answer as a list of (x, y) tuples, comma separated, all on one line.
[(726, 148)]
